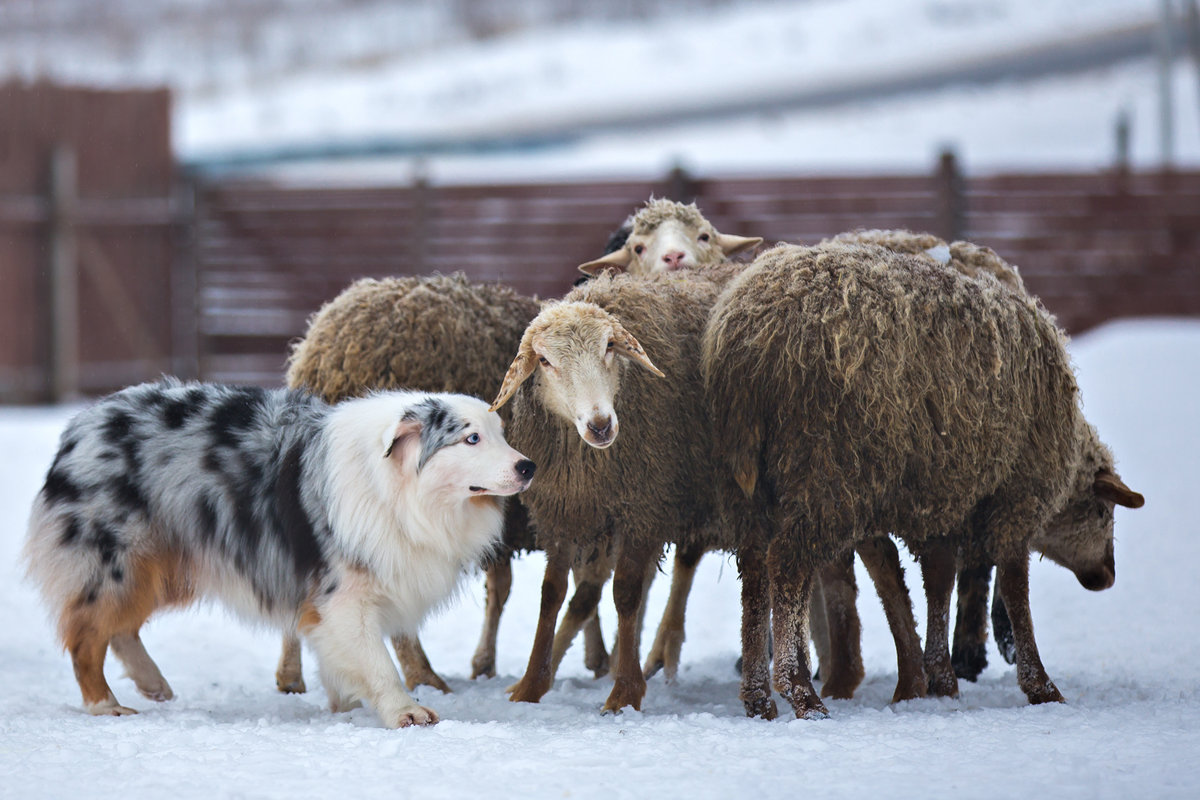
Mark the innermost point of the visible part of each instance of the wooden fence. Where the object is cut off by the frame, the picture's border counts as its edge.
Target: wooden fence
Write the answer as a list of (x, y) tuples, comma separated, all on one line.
[(114, 270), (88, 232), (1093, 246)]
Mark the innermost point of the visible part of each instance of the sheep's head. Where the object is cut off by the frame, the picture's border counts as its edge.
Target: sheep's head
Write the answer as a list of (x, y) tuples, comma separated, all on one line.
[(574, 348), (666, 236), (1080, 536)]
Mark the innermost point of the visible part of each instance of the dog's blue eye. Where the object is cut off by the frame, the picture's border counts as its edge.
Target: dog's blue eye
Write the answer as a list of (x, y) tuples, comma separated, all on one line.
[(472, 439)]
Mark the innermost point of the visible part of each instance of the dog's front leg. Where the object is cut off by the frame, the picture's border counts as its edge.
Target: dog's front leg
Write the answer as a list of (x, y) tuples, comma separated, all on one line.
[(355, 664)]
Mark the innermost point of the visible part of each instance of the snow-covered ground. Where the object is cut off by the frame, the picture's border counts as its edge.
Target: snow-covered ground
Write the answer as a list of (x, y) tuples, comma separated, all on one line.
[(1128, 661)]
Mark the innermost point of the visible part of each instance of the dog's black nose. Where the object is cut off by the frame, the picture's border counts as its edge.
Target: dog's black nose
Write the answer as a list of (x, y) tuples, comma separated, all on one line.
[(525, 468)]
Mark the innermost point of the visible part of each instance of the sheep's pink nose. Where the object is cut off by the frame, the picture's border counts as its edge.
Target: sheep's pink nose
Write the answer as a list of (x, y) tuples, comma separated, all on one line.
[(674, 260)]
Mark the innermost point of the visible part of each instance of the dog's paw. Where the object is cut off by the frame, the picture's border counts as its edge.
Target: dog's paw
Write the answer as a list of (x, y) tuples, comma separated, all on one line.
[(109, 708), (413, 715)]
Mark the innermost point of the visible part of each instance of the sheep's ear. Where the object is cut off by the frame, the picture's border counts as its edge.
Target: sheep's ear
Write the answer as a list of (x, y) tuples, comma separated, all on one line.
[(618, 261), (520, 369), (626, 345), (1109, 486), (731, 245), (406, 431)]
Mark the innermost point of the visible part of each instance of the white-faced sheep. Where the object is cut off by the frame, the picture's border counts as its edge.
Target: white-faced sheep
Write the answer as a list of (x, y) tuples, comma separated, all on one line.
[(624, 453), (860, 391), (438, 333), (665, 236)]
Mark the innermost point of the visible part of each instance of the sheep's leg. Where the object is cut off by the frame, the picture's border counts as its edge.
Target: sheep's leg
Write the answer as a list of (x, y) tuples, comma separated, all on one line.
[(842, 666), (415, 664), (818, 628), (589, 583), (647, 582), (1002, 629), (498, 580), (668, 642), (937, 559), (882, 561), (289, 676), (595, 653), (791, 590), (968, 654), (538, 677), (1013, 583), (629, 580), (756, 618)]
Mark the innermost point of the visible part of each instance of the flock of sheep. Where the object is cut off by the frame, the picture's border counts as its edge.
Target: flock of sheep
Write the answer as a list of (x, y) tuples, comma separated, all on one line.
[(793, 410)]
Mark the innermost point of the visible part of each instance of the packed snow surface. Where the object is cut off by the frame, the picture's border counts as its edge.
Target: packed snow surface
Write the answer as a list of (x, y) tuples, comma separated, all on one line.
[(1128, 661)]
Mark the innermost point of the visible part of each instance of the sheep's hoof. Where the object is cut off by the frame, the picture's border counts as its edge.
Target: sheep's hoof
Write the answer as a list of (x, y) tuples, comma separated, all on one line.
[(909, 688), (1046, 693), (527, 691), (757, 700), (969, 662), (806, 703), (431, 679), (626, 692), (841, 686), (483, 665)]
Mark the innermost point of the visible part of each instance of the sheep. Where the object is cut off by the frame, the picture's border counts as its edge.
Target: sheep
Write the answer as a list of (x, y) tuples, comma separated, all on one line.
[(968, 654), (629, 483), (438, 333), (665, 236), (856, 390)]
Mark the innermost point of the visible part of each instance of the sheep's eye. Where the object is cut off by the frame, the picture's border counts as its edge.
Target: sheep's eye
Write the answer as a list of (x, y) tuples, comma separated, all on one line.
[(639, 249), (472, 439), (611, 345), (704, 237), (545, 362)]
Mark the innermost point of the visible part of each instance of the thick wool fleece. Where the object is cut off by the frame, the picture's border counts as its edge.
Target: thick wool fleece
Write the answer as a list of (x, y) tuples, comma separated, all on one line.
[(441, 333), (858, 391)]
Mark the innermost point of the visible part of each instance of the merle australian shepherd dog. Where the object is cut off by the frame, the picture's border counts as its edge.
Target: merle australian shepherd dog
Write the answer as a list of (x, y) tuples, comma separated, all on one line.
[(348, 523)]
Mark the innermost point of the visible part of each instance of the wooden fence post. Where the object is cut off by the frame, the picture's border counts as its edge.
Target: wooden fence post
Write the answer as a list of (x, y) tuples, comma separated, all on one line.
[(680, 186), (185, 312), (62, 369), (951, 211), (420, 220)]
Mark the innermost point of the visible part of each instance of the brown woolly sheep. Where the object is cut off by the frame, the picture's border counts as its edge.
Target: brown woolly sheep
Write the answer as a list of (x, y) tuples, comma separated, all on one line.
[(968, 656), (856, 390), (439, 333), (665, 236), (630, 483)]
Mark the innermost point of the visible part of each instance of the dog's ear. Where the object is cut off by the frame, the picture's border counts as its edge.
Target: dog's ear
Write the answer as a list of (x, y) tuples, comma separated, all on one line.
[(396, 440)]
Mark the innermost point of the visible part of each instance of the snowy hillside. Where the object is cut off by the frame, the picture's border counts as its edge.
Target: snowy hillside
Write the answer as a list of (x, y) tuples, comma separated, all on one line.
[(306, 72), (1127, 659)]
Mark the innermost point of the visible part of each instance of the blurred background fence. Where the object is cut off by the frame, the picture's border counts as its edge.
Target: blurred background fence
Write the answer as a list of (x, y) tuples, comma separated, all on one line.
[(116, 268)]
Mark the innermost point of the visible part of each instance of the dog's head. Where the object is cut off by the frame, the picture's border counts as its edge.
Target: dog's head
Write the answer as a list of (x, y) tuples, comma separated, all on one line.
[(452, 445)]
